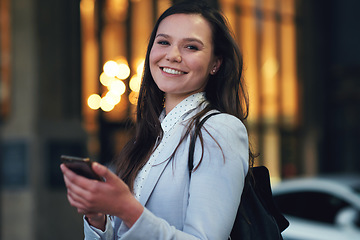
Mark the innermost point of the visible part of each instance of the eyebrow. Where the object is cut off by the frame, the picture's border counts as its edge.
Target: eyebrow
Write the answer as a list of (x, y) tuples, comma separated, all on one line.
[(185, 39)]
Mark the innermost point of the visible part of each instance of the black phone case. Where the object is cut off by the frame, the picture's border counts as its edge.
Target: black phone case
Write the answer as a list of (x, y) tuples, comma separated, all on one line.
[(80, 166)]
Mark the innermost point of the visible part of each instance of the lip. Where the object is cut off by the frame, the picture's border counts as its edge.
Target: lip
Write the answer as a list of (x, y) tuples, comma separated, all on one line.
[(172, 71)]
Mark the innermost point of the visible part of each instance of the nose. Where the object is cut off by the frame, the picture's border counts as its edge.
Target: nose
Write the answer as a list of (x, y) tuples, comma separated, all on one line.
[(174, 55)]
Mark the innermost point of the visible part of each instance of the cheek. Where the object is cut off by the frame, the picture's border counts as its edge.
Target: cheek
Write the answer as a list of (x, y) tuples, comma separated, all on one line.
[(199, 66), (198, 61), (152, 60), (151, 57), (155, 55)]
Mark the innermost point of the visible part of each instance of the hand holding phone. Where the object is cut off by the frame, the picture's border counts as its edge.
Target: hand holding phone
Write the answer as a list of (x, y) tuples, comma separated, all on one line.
[(80, 166)]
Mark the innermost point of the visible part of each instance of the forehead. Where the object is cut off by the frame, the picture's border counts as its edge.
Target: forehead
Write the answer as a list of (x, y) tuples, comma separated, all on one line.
[(186, 26)]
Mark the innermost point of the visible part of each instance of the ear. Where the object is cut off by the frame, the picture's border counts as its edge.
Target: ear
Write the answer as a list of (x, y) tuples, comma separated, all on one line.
[(216, 65)]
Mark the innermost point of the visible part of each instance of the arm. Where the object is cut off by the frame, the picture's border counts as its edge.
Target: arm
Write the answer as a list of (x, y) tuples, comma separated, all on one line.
[(217, 184)]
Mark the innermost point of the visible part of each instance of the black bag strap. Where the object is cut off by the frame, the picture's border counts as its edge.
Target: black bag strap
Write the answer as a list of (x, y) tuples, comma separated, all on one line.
[(193, 140)]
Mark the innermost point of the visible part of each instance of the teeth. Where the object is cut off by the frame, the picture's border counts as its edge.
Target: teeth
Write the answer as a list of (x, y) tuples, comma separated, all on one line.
[(172, 71)]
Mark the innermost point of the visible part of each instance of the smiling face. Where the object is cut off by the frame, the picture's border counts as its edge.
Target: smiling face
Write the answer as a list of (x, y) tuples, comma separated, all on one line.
[(181, 58)]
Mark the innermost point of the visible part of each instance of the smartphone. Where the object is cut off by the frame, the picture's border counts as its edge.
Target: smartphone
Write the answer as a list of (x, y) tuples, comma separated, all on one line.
[(80, 166)]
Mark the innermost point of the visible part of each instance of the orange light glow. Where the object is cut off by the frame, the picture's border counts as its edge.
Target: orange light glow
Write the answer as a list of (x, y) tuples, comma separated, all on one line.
[(135, 82), (124, 71), (94, 101), (105, 79), (105, 104), (140, 67), (117, 87), (112, 98), (111, 68), (133, 97)]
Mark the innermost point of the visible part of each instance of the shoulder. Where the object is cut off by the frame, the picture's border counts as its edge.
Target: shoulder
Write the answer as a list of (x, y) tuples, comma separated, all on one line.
[(225, 137), (223, 122), (225, 130)]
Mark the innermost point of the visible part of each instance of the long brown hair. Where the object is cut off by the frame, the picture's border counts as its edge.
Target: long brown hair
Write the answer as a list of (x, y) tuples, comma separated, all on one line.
[(225, 91)]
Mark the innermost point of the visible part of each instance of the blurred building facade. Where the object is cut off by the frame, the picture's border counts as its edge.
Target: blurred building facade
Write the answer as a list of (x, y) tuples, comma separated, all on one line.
[(70, 74)]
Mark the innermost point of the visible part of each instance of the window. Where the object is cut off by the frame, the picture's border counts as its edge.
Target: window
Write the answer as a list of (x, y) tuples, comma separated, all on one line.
[(309, 205)]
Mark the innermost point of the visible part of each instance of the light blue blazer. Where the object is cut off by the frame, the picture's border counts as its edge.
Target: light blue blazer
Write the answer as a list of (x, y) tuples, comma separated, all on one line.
[(202, 206)]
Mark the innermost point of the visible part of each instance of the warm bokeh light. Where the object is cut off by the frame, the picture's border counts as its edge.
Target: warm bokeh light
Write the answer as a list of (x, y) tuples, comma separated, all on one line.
[(133, 97), (118, 87), (111, 68), (105, 105), (112, 98), (113, 71), (106, 80), (140, 67), (124, 71), (135, 82), (94, 101)]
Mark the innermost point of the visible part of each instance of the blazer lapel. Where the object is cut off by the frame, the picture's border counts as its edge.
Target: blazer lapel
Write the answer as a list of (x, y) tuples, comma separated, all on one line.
[(151, 181), (160, 164), (153, 178)]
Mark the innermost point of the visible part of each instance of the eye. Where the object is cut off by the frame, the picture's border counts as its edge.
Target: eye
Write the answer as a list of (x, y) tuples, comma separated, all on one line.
[(163, 42), (192, 47)]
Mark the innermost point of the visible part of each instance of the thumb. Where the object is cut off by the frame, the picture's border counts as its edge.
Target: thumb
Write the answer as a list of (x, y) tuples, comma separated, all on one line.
[(102, 171)]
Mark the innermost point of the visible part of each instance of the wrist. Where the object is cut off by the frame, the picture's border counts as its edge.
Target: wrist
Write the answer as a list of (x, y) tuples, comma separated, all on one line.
[(134, 209), (98, 221)]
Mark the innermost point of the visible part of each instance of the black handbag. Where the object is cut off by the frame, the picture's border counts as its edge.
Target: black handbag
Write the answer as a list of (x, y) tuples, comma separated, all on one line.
[(257, 216)]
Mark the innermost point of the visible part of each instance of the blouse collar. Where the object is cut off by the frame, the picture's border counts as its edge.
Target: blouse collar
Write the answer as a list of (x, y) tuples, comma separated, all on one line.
[(181, 110)]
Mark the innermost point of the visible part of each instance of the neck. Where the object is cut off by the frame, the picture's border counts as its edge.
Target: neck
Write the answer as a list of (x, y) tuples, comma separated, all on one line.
[(171, 102)]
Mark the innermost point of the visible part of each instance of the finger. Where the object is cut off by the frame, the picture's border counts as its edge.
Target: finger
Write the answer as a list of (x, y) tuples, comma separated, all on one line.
[(76, 179), (72, 197), (103, 171), (67, 172), (81, 211), (94, 216), (78, 192), (85, 212), (78, 196), (81, 204), (63, 168), (75, 201)]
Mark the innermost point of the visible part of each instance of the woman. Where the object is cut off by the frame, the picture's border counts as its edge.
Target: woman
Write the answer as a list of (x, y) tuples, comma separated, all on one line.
[(193, 67)]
